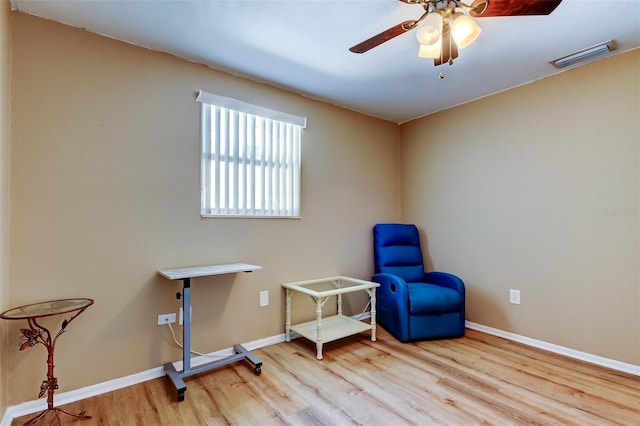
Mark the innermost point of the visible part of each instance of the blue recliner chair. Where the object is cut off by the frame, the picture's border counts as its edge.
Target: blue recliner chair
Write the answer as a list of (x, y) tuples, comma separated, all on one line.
[(411, 304)]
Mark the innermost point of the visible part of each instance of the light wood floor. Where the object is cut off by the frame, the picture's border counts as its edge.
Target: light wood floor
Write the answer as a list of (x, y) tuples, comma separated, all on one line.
[(478, 379)]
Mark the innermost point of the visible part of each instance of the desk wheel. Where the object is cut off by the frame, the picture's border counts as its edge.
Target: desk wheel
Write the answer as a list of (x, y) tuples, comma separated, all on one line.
[(258, 369), (181, 395)]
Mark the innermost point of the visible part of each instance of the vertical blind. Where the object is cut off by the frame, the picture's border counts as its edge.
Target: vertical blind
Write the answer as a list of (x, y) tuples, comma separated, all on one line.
[(250, 159)]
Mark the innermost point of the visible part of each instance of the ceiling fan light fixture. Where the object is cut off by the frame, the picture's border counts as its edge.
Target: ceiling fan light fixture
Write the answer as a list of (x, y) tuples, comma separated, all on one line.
[(430, 33), (429, 36), (464, 30), (432, 51)]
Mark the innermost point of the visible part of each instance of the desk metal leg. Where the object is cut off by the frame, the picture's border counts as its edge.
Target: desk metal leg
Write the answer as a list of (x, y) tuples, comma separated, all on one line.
[(177, 377), (174, 375), (186, 324)]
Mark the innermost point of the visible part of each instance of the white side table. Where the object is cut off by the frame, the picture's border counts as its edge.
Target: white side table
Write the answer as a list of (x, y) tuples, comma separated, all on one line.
[(323, 330)]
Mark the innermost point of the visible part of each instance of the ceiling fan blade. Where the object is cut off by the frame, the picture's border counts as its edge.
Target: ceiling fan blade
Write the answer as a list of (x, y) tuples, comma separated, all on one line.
[(384, 36), (515, 7)]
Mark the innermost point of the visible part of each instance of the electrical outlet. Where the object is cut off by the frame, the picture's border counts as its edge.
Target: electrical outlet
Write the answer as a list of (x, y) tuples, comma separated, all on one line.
[(181, 321), (166, 319), (514, 296), (264, 298)]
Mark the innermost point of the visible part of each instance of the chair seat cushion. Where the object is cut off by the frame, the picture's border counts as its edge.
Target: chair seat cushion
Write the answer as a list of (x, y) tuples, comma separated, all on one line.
[(430, 298)]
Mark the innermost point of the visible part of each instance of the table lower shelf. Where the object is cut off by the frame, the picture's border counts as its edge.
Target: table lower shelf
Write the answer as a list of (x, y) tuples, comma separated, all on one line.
[(332, 328)]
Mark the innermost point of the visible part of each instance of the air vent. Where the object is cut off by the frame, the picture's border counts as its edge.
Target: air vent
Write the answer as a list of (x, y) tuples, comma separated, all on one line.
[(585, 55)]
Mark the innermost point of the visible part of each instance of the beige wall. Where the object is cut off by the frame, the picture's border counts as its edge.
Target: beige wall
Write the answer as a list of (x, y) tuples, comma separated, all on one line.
[(105, 191), (537, 189), (5, 135), (513, 191)]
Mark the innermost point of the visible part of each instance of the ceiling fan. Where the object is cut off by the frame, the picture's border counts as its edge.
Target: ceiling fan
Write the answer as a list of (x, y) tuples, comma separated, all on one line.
[(443, 28)]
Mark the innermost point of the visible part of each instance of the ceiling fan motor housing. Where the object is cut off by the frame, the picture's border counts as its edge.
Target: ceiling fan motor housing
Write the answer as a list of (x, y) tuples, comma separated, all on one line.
[(442, 4)]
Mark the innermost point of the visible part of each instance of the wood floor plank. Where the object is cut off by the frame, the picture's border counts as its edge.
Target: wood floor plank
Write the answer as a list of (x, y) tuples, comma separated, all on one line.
[(416, 398), (536, 384), (468, 385), (569, 386), (478, 379)]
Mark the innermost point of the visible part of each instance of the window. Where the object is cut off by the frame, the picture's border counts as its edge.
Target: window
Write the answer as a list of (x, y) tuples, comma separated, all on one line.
[(250, 159)]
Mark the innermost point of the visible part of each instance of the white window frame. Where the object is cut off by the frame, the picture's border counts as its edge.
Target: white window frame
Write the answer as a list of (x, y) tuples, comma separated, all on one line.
[(250, 159)]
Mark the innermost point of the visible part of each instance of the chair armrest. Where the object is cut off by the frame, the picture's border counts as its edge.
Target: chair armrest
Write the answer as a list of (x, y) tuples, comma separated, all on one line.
[(445, 280), (392, 287)]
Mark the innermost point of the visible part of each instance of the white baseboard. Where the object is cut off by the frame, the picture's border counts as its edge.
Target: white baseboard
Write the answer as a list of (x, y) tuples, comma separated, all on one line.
[(571, 353), (78, 394), (112, 385)]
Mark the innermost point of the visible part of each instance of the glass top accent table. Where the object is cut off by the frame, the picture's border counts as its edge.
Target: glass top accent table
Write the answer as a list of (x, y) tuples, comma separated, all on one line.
[(334, 327), (38, 334)]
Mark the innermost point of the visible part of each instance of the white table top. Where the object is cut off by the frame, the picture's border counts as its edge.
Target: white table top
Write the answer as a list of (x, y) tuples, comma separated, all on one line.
[(329, 286), (203, 271)]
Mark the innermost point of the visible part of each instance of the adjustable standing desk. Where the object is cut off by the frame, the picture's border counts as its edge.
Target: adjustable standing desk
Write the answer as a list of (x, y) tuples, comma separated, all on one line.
[(185, 274)]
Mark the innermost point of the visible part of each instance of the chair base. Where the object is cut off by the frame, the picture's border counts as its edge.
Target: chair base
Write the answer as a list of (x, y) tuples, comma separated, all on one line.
[(427, 327)]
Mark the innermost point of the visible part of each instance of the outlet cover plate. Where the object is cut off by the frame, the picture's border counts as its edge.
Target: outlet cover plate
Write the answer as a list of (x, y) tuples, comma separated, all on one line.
[(166, 319)]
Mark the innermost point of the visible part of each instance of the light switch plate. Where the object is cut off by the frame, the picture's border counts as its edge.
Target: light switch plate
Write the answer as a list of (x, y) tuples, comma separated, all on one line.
[(514, 296), (264, 298)]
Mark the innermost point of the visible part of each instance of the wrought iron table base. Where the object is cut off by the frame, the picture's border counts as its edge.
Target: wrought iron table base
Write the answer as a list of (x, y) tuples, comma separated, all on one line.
[(38, 334), (42, 415)]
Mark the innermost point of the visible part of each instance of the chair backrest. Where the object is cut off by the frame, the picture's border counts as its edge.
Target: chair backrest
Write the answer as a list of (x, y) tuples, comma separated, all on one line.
[(396, 250)]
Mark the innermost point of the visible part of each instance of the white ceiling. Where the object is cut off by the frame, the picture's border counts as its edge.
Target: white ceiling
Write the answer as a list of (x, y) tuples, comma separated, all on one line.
[(302, 45)]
